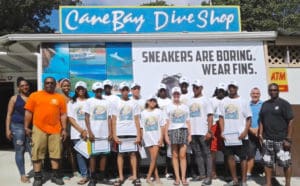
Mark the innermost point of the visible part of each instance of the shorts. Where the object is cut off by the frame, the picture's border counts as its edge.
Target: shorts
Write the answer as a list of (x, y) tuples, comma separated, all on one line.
[(178, 136), (216, 142), (43, 143), (253, 145), (240, 150), (273, 152)]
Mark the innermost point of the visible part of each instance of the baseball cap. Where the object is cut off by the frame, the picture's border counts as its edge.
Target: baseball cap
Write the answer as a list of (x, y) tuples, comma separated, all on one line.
[(80, 84), (97, 85), (184, 80), (107, 82), (234, 83), (176, 89), (134, 85), (123, 85), (221, 86), (197, 83), (162, 86)]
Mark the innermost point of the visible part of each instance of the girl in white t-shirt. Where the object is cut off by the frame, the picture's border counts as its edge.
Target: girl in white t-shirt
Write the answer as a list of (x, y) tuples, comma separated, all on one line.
[(178, 135), (78, 130), (152, 123)]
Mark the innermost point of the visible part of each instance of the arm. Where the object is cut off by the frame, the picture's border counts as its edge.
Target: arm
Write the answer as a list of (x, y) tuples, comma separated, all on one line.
[(221, 124), (88, 126), (245, 132), (288, 141), (63, 121), (110, 133), (209, 133), (138, 128), (167, 139), (260, 132), (114, 129), (188, 124), (82, 131), (27, 121), (10, 110)]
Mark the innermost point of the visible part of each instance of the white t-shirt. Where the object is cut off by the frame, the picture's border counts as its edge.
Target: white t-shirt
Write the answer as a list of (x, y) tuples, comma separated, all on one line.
[(74, 110), (151, 121), (141, 102), (162, 103), (216, 104), (113, 99), (184, 98), (199, 109), (177, 116), (125, 111), (234, 111), (99, 111)]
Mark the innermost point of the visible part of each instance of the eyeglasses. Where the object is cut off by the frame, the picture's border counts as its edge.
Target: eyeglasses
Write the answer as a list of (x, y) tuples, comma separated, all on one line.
[(49, 82)]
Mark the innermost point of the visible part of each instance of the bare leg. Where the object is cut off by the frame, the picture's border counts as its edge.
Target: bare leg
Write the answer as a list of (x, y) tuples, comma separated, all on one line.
[(153, 154), (175, 162), (268, 172), (120, 161), (133, 162), (213, 164), (103, 163), (250, 165), (37, 166), (54, 164), (287, 174), (92, 165), (244, 170), (182, 157), (232, 167)]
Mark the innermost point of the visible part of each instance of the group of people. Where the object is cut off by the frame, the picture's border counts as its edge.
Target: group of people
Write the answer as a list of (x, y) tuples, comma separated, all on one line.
[(191, 126)]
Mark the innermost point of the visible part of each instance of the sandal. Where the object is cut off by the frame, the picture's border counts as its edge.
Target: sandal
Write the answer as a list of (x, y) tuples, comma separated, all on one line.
[(83, 181), (118, 182), (136, 182), (185, 183)]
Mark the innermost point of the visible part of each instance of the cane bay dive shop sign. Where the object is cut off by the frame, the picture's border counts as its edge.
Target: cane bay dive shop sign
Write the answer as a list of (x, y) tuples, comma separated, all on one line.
[(108, 20)]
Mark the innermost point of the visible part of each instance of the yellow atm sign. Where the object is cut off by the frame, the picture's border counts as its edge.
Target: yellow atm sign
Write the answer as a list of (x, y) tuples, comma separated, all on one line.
[(279, 76)]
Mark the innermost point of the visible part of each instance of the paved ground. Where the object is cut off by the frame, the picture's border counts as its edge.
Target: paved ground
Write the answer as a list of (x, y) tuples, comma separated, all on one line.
[(9, 175)]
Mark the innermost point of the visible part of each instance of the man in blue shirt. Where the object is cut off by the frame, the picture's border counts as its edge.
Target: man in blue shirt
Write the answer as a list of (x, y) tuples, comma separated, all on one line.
[(255, 105)]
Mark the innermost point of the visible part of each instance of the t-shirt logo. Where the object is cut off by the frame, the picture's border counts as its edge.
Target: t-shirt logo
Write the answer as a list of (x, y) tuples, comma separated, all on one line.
[(79, 113), (99, 113), (54, 101), (151, 124), (231, 112), (276, 107), (178, 116), (195, 110), (126, 113)]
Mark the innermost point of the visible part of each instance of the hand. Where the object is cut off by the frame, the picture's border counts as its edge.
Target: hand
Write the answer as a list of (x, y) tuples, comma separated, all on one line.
[(243, 135), (222, 137), (28, 132), (189, 139), (110, 138), (64, 134), (208, 136), (160, 142), (9, 135), (287, 145), (91, 136), (117, 140), (84, 135), (138, 140), (167, 139)]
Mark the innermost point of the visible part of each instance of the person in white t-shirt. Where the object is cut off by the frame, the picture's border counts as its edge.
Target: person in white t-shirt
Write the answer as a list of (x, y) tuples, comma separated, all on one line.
[(126, 124), (178, 135), (97, 118), (217, 141), (184, 87), (108, 85), (235, 120), (78, 130), (136, 95), (201, 118), (152, 123)]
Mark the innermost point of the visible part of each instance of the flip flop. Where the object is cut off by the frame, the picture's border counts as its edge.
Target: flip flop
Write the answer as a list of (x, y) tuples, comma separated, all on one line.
[(176, 183), (83, 181), (118, 182)]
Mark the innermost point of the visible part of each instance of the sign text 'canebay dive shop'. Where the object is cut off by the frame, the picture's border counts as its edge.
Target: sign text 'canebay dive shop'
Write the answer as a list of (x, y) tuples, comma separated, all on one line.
[(107, 20)]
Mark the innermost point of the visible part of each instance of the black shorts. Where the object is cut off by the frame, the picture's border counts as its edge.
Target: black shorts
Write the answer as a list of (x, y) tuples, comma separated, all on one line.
[(253, 145), (240, 150)]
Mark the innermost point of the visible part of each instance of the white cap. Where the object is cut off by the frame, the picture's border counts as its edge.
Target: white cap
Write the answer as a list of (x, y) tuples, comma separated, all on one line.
[(97, 85), (197, 83), (151, 97), (176, 89), (80, 84), (134, 85), (233, 82), (162, 86), (184, 80), (221, 86), (123, 85), (107, 82)]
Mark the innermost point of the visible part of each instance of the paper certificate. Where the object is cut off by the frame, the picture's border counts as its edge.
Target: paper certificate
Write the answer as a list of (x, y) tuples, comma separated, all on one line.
[(127, 145), (100, 146), (232, 139), (82, 147)]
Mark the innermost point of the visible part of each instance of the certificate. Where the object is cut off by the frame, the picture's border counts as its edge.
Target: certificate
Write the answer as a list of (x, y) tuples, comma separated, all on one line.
[(100, 146), (232, 139), (127, 145), (82, 147), (142, 152)]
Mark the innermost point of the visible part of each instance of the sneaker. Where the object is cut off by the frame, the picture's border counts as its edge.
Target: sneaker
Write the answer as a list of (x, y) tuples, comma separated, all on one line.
[(206, 181), (57, 181), (92, 182), (232, 183), (37, 182)]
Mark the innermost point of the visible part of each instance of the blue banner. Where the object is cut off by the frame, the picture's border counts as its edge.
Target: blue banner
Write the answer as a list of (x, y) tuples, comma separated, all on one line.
[(108, 20)]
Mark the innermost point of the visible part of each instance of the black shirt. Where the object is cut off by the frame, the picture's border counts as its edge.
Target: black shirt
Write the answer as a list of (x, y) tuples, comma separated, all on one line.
[(275, 116)]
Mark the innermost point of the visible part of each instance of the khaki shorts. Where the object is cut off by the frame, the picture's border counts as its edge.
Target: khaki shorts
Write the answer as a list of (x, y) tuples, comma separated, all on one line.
[(43, 143)]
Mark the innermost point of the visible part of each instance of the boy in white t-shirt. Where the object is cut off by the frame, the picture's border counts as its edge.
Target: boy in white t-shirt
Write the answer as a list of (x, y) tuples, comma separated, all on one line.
[(136, 95), (201, 117), (126, 124), (235, 120), (97, 118)]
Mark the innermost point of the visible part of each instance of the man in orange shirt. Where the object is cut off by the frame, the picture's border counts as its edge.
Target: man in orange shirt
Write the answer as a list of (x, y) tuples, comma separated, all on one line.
[(47, 111)]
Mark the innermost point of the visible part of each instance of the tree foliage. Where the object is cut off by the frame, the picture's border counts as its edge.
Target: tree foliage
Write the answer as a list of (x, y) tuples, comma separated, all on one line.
[(25, 16), (258, 15), (156, 3)]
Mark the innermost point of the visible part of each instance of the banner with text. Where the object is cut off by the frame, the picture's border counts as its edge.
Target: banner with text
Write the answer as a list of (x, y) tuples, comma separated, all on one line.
[(211, 62), (108, 20)]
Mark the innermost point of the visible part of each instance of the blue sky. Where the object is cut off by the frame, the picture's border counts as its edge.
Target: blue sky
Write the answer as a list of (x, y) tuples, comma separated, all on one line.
[(54, 18)]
